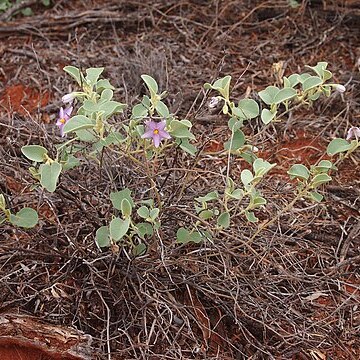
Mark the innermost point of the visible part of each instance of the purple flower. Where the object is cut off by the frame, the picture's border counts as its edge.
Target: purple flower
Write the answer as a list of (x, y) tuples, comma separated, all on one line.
[(354, 132), (156, 131), (64, 116)]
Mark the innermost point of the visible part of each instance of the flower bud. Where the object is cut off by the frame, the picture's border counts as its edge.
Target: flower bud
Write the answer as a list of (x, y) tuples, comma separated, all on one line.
[(340, 88), (354, 132), (214, 101), (68, 98)]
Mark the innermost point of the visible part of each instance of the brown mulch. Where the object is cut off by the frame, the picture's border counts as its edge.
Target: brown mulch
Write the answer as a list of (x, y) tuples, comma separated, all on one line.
[(294, 291)]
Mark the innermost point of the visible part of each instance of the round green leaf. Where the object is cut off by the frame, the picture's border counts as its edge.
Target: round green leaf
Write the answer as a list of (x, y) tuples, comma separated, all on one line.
[(299, 171), (249, 108), (102, 236), (224, 220), (143, 212), (26, 218), (267, 116), (34, 152), (311, 82), (118, 228), (49, 175), (338, 146)]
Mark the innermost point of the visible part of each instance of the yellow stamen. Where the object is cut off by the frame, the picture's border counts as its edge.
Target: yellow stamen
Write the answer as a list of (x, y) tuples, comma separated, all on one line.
[(63, 121), (156, 131)]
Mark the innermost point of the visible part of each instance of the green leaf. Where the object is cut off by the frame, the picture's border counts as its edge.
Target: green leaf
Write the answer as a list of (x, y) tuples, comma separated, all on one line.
[(162, 109), (311, 82), (186, 146), (111, 107), (261, 167), (246, 177), (267, 116), (315, 196), (320, 179), (234, 124), (143, 212), (294, 79), (74, 72), (118, 196), (106, 95), (139, 111), (284, 94), (144, 229), (150, 83), (119, 228), (26, 218), (237, 194), (338, 146), (319, 68), (224, 220), (78, 122), (303, 77), (2, 202), (49, 175), (71, 162), (27, 11), (139, 250), (183, 236), (126, 208), (103, 84), (34, 152), (299, 171), (181, 129), (154, 213), (258, 201), (250, 216), (324, 166), (249, 108), (93, 74), (238, 140), (103, 236), (206, 214), (268, 95), (213, 195)]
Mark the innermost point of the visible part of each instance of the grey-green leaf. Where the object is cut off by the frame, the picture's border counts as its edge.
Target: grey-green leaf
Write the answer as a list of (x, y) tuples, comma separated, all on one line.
[(103, 236), (249, 108), (150, 83), (299, 171), (284, 95), (34, 152), (78, 122), (119, 228), (49, 175), (118, 196), (267, 116), (224, 220), (338, 146), (26, 218), (311, 82)]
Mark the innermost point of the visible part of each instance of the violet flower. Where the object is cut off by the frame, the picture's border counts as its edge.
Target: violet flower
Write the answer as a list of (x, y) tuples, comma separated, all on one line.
[(64, 116), (156, 131), (68, 98), (354, 132)]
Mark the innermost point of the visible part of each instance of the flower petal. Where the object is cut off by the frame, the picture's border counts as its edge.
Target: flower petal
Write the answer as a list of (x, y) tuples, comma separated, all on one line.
[(161, 125), (164, 134), (68, 111), (156, 138), (148, 134), (61, 113), (151, 125)]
